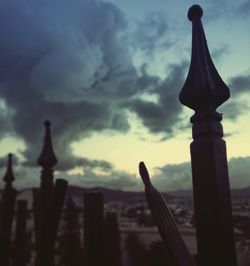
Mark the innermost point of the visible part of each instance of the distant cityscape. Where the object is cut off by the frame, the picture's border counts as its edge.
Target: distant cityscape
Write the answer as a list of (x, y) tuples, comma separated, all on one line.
[(134, 217)]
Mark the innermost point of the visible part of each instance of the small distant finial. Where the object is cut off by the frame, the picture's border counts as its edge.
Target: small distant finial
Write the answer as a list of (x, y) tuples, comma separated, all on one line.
[(204, 89), (47, 124), (144, 173), (47, 157), (9, 176)]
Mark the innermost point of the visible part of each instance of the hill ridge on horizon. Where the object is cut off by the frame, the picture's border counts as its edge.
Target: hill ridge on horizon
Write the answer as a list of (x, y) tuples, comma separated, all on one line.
[(127, 197), (74, 189)]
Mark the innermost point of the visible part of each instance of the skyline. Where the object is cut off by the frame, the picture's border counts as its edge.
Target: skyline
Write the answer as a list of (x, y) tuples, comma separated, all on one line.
[(107, 75)]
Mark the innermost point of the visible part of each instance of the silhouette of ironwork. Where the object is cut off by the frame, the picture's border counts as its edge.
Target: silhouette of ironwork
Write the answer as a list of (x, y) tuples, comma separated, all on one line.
[(111, 235), (22, 252), (178, 253), (93, 228), (203, 92), (70, 240), (48, 203), (136, 250), (157, 255), (7, 207)]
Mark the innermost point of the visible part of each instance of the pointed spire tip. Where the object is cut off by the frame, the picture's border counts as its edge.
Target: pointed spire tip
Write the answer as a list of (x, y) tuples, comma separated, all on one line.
[(195, 11), (47, 157), (9, 176)]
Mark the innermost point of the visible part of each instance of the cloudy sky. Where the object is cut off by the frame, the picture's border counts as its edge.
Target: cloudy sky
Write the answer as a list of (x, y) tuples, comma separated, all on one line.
[(107, 74)]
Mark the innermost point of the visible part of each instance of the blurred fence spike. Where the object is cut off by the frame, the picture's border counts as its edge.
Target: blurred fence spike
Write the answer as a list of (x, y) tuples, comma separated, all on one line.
[(48, 203), (9, 176), (165, 222), (93, 228), (22, 251)]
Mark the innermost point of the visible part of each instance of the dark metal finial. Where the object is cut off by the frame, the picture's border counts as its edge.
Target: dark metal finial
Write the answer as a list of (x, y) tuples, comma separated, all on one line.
[(204, 89), (9, 176), (47, 158), (195, 12), (47, 124)]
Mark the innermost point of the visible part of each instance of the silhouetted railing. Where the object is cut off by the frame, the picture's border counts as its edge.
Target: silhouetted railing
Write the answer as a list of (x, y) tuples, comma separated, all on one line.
[(93, 228), (7, 206), (204, 91), (48, 201), (22, 251)]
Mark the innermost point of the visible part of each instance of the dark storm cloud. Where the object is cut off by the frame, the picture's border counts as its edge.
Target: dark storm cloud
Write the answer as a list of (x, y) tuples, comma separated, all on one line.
[(70, 123), (173, 177), (236, 106), (113, 179), (54, 55), (152, 33), (163, 116), (71, 63), (240, 84), (233, 109), (67, 162), (245, 8), (178, 176)]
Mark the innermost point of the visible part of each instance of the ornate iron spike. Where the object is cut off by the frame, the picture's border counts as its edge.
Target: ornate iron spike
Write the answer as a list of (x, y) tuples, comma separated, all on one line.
[(47, 158), (9, 176), (204, 89)]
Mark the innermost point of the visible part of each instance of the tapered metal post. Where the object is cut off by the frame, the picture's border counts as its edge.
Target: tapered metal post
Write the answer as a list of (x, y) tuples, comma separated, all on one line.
[(203, 92), (93, 228), (22, 250)]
